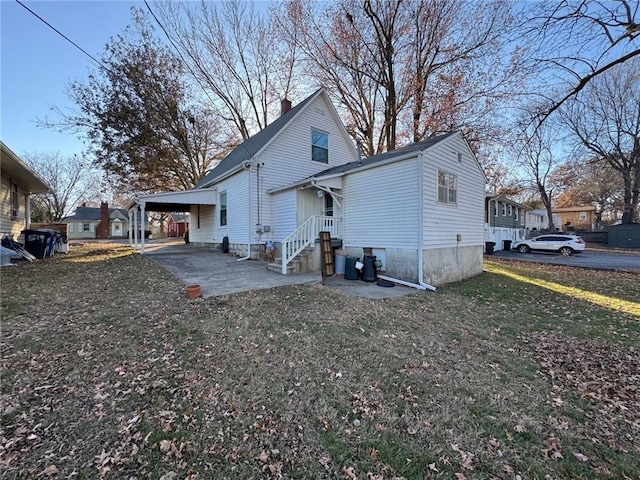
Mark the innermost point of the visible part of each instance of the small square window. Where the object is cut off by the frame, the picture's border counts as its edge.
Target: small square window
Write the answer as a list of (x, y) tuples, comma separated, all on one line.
[(86, 227)]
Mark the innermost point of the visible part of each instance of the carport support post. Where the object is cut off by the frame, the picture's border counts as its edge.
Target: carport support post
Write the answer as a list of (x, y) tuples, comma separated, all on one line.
[(135, 228), (142, 226), (130, 232)]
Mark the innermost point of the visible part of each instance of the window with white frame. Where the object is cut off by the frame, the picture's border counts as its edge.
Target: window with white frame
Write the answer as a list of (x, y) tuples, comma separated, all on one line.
[(504, 209), (509, 210), (15, 200), (447, 187), (319, 146), (223, 209), (582, 216), (515, 210), (86, 227)]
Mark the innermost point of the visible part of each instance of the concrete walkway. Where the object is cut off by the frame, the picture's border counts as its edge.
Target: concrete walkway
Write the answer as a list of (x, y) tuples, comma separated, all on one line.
[(222, 274)]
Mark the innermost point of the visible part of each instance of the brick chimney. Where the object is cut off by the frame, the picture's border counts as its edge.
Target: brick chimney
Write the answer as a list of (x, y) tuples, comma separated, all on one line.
[(103, 227), (285, 106)]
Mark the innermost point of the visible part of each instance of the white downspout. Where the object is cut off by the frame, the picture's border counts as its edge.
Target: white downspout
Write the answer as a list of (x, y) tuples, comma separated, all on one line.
[(421, 282), (421, 285), (248, 165)]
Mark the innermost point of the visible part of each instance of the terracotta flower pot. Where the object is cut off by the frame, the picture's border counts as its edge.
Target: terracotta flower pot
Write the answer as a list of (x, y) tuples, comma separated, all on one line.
[(193, 291)]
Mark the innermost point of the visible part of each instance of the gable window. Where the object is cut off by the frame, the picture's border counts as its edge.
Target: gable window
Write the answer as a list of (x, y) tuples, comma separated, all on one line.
[(447, 187), (15, 200), (223, 209), (319, 146)]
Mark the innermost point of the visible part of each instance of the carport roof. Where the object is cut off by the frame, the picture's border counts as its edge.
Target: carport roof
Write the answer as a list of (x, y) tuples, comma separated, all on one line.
[(175, 201)]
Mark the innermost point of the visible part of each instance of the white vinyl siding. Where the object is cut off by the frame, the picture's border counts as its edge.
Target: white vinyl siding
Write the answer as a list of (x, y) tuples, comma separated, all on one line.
[(238, 228), (442, 222), (288, 158), (11, 225), (204, 234), (381, 206), (284, 214)]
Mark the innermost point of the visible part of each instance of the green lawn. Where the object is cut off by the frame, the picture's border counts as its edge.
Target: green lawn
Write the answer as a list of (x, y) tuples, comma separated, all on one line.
[(108, 369)]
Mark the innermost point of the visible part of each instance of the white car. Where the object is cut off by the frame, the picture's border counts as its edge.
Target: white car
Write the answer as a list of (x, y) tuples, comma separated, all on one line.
[(564, 244)]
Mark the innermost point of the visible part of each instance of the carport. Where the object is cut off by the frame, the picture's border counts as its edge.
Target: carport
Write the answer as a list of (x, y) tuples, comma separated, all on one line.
[(163, 202)]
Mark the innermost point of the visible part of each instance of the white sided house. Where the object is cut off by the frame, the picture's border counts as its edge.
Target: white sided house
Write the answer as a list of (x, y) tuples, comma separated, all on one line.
[(420, 208)]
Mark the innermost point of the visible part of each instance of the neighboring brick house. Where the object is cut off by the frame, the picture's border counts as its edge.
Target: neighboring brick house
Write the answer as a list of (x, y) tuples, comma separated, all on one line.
[(177, 224), (575, 218), (94, 222)]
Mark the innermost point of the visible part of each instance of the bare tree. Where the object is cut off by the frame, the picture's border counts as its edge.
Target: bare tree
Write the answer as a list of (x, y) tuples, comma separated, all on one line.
[(537, 155), (233, 52), (71, 178), (590, 38), (605, 120), (406, 70)]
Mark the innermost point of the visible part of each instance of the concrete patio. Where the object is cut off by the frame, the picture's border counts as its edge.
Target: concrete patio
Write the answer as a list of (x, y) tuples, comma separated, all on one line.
[(222, 274)]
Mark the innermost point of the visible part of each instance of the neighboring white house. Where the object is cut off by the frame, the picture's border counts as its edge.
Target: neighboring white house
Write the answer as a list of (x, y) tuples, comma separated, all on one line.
[(537, 220), (420, 208)]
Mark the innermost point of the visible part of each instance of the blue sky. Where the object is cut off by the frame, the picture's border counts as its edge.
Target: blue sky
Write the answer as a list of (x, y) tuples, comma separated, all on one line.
[(36, 64)]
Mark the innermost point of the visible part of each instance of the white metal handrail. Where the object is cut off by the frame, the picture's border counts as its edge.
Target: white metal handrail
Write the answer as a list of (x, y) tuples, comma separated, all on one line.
[(306, 234)]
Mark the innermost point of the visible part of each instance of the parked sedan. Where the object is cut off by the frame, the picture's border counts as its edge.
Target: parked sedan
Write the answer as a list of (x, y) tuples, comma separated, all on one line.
[(564, 244)]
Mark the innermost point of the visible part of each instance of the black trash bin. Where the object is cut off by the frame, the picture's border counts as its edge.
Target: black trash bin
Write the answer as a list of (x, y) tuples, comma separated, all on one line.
[(489, 247), (369, 270), (36, 242), (506, 245)]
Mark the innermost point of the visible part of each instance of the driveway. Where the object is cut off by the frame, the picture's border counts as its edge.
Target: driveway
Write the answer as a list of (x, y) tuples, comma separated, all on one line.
[(222, 274), (596, 260)]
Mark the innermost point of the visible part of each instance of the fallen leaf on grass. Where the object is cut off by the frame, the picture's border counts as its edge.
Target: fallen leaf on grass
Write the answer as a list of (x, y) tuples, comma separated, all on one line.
[(460, 476), (432, 466), (349, 473), (580, 456), (50, 470)]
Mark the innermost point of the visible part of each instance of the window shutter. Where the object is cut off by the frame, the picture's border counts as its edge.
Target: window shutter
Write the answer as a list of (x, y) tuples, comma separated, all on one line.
[(71, 228), (91, 227)]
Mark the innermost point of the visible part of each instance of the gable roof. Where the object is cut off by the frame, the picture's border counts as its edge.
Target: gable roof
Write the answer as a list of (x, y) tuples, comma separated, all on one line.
[(91, 214), (14, 168), (368, 161), (252, 146)]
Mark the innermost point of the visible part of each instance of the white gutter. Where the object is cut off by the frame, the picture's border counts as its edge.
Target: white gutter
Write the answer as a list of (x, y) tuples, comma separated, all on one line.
[(247, 164)]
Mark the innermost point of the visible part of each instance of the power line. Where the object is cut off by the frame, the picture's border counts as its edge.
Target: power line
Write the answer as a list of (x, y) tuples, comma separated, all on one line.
[(180, 53), (98, 62)]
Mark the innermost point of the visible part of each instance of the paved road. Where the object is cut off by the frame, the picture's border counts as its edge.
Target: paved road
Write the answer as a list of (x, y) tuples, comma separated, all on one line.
[(601, 261)]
